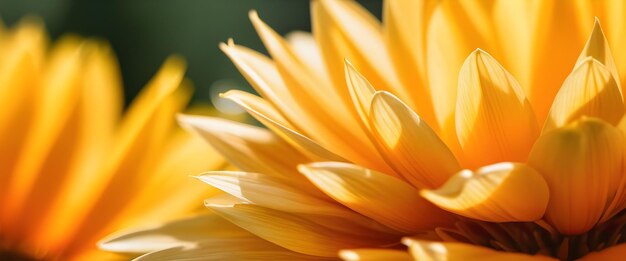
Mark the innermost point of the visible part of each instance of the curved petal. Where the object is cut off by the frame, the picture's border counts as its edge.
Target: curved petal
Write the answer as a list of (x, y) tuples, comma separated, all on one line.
[(405, 24), (182, 232), (598, 47), (374, 254), (266, 114), (333, 121), (409, 144), (252, 248), (345, 30), (381, 197), (591, 91), (612, 253), (582, 164), (442, 251), (249, 148), (293, 232), (361, 92), (503, 192), (494, 120), (271, 192)]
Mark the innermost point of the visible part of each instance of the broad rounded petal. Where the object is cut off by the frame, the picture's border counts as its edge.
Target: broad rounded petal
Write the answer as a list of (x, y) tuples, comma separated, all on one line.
[(591, 91), (293, 232), (374, 254), (409, 144), (503, 192), (183, 232), (251, 248), (442, 251), (608, 254), (381, 197), (586, 156), (618, 203), (494, 120), (270, 117)]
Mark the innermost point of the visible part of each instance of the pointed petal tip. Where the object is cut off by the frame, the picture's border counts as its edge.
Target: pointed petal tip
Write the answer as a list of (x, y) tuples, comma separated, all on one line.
[(253, 15)]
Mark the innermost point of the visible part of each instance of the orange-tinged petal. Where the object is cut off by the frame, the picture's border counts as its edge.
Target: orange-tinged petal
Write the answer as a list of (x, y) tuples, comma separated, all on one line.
[(291, 231), (345, 30), (409, 145), (405, 25), (558, 30), (443, 251), (381, 197), (614, 253), (582, 164), (590, 90), (252, 248), (494, 120), (598, 47), (503, 192), (374, 254)]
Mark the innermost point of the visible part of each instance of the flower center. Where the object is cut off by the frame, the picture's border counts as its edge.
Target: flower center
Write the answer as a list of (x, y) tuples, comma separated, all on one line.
[(538, 237)]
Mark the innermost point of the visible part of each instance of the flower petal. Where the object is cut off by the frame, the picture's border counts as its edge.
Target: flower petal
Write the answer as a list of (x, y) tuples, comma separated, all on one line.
[(441, 251), (409, 144), (374, 254), (334, 123), (381, 197), (586, 156), (249, 148), (494, 120), (266, 114), (590, 90), (291, 231), (598, 48), (271, 192), (503, 192), (346, 30), (250, 248), (361, 92), (182, 232), (405, 25), (616, 252)]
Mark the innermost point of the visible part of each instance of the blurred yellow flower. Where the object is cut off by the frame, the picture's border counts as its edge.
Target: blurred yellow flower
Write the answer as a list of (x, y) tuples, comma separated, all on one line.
[(72, 168), (419, 138)]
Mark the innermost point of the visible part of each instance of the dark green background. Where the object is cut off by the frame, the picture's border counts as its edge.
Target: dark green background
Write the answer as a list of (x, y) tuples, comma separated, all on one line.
[(143, 33)]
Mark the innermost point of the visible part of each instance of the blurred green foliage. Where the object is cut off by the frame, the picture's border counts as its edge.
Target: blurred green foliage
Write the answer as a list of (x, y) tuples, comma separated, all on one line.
[(144, 32)]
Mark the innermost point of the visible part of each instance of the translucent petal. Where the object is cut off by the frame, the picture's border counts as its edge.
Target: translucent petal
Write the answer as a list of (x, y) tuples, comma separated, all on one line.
[(590, 90), (409, 145), (494, 120), (503, 192), (586, 156), (381, 197), (442, 251)]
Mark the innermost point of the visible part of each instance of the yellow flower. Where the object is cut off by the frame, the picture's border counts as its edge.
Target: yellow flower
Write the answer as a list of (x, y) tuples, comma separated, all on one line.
[(406, 132), (72, 168)]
